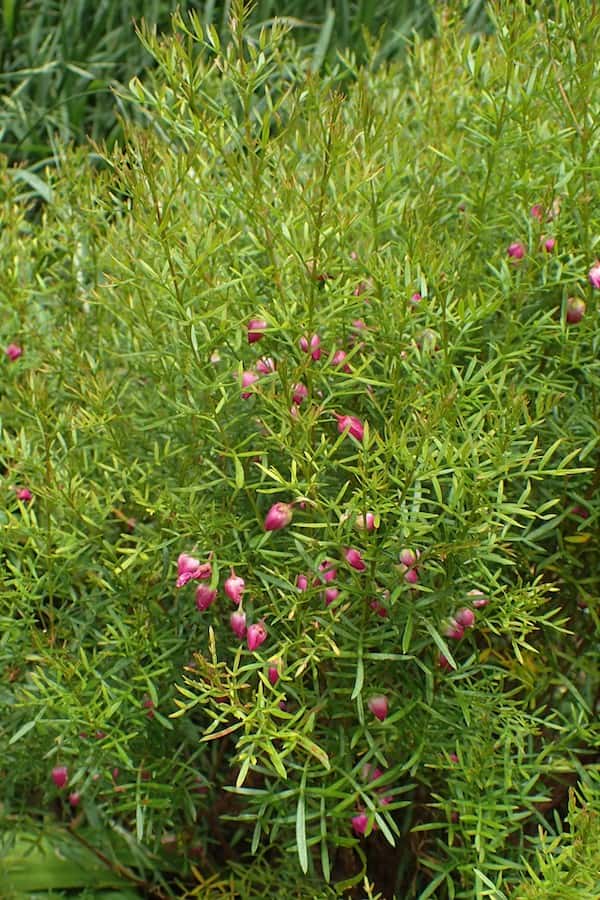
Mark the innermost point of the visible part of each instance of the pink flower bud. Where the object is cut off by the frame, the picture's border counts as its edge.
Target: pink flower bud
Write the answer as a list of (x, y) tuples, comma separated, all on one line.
[(265, 365), (248, 378), (416, 298), (549, 244), (339, 359), (366, 521), (580, 511), (13, 351), (74, 798), (465, 617), (479, 599), (411, 576), (278, 516), (379, 707), (453, 757), (379, 609), (204, 597), (360, 823), (444, 663), (327, 570), (234, 587), (454, 630), (189, 568), (256, 635), (354, 559), (256, 330), (350, 424), (302, 582), (273, 675), (537, 211), (314, 345), (331, 594), (369, 772), (60, 776), (575, 310), (24, 495), (300, 393), (359, 325), (237, 620), (408, 557), (593, 276), (516, 250)]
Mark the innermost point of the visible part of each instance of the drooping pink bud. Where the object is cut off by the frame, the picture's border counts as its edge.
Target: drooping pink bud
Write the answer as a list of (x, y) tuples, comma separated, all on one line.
[(594, 275), (416, 298), (302, 582), (273, 675), (74, 798), (479, 599), (60, 776), (327, 570), (190, 569), (237, 620), (256, 635), (331, 594), (379, 707), (549, 244), (354, 558), (575, 310), (278, 516), (314, 345), (465, 617), (366, 521), (13, 351), (408, 557), (204, 597), (256, 330), (339, 359), (360, 823), (352, 425), (300, 393), (516, 250), (234, 587), (537, 211), (265, 365), (24, 495), (248, 378), (411, 576), (454, 630)]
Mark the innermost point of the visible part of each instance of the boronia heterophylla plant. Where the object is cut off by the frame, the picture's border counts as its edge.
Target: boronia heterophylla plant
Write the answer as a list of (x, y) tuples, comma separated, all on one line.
[(312, 458)]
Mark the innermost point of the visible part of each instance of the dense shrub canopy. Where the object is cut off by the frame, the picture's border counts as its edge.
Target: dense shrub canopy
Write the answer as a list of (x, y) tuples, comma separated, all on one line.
[(435, 221)]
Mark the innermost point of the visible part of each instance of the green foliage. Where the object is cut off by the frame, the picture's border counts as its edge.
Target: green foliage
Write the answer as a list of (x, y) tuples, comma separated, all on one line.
[(259, 188)]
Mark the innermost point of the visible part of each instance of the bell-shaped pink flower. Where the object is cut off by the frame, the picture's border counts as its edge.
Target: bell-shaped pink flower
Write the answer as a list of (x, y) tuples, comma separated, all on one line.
[(454, 630), (379, 706), (411, 576), (302, 582), (479, 599), (516, 250), (594, 275), (234, 587), (416, 298), (60, 776), (300, 393), (408, 557), (360, 823), (278, 516), (339, 361), (352, 425), (237, 620), (354, 559), (190, 569), (314, 346), (465, 617), (24, 495), (265, 365), (204, 597), (327, 570), (331, 594), (248, 378), (13, 351), (74, 799), (366, 521), (537, 211), (256, 330), (256, 635), (549, 244), (575, 310)]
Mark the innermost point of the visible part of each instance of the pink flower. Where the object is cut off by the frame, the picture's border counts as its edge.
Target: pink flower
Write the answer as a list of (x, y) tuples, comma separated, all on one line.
[(24, 495), (248, 378), (273, 675), (379, 707), (354, 559), (13, 351), (302, 582), (237, 620), (339, 359), (479, 599), (465, 617), (360, 823), (256, 635), (537, 211), (74, 799), (256, 330), (444, 663), (453, 757), (454, 630), (350, 424), (190, 569), (327, 570), (300, 393), (408, 557), (594, 275), (331, 594), (549, 244), (575, 310), (369, 772), (366, 521), (234, 587), (314, 345), (411, 576), (379, 609), (204, 597), (416, 298), (278, 516), (265, 365), (60, 776), (516, 250)]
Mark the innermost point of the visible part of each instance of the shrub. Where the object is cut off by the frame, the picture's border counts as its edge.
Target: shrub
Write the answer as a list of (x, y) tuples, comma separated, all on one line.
[(418, 690)]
